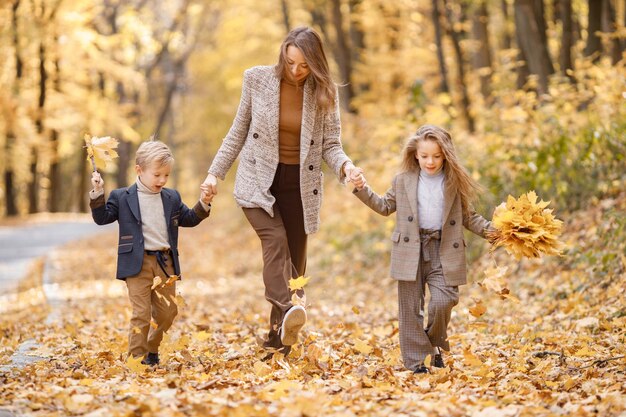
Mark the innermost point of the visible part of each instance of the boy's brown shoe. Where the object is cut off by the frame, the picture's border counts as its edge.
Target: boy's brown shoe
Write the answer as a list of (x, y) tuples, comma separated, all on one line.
[(151, 359)]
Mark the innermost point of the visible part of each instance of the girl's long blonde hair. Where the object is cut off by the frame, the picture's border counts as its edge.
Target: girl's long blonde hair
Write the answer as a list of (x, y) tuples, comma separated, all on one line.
[(310, 44), (456, 176)]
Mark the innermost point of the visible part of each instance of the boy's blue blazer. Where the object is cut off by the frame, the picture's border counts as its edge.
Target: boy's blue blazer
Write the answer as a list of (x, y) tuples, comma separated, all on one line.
[(123, 206)]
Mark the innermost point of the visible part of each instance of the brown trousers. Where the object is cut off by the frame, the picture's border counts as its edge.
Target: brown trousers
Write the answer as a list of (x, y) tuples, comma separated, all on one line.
[(158, 304), (283, 241)]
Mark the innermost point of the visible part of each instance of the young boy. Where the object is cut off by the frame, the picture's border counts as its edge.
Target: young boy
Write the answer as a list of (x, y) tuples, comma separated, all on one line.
[(148, 216)]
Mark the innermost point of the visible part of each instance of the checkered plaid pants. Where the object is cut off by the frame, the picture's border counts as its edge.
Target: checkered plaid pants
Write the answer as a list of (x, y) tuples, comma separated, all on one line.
[(417, 342)]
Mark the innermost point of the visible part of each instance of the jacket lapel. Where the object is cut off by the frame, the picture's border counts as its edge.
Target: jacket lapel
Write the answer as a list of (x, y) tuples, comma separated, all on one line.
[(309, 110), (167, 206), (133, 201), (273, 108), (410, 185)]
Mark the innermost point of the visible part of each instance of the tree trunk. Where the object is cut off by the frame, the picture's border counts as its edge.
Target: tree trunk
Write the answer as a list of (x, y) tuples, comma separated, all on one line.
[(567, 38), (443, 70), (54, 193), (9, 178), (342, 55), (33, 186), (609, 25), (594, 44), (83, 182), (532, 40), (460, 62), (285, 10), (481, 57), (357, 38), (506, 41)]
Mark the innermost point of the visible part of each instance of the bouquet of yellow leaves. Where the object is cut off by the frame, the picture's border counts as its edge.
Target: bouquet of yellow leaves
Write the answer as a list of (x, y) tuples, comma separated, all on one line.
[(526, 227), (100, 150)]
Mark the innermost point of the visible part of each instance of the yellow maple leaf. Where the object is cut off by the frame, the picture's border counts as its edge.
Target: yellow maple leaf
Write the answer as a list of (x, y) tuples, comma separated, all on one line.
[(202, 335), (362, 347), (135, 365), (172, 279), (478, 310), (156, 282), (262, 369), (427, 361), (101, 149), (298, 283)]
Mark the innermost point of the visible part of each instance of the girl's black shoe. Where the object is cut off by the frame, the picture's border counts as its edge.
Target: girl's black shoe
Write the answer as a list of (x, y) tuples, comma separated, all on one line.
[(438, 362), (421, 370)]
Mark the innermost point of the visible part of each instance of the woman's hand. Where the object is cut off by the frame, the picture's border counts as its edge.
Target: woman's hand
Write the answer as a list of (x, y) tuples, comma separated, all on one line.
[(209, 186)]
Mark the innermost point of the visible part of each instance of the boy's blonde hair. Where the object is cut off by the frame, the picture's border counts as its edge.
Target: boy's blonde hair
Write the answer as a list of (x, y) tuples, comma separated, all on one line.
[(153, 151), (456, 176)]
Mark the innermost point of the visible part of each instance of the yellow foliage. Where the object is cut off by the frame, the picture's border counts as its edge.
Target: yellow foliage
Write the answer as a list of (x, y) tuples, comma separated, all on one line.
[(298, 283), (100, 150), (526, 228)]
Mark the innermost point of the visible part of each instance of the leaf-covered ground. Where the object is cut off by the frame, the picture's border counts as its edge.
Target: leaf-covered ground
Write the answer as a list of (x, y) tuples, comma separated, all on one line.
[(559, 351)]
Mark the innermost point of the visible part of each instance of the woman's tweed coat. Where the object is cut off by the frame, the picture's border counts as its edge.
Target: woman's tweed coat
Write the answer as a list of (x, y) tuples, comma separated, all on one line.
[(254, 138)]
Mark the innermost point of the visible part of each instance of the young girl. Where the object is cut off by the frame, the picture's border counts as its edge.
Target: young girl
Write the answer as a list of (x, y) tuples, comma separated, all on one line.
[(432, 196)]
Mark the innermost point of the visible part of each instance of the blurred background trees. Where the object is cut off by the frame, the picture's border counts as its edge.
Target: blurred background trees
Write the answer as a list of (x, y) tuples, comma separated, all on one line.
[(533, 90)]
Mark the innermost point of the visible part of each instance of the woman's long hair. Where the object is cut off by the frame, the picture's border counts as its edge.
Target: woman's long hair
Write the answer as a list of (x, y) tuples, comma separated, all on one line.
[(456, 175), (310, 44)]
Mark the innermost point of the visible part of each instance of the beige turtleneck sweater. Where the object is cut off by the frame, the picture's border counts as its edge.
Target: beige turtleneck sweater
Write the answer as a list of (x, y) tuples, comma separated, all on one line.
[(153, 223)]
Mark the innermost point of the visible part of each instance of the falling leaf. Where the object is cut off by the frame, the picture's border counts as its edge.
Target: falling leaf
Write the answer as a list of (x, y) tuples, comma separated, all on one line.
[(356, 310), (179, 301), (101, 149), (154, 324), (427, 360), (478, 310), (298, 283)]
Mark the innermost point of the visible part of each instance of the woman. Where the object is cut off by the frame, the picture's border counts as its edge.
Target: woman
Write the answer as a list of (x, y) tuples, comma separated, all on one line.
[(286, 124)]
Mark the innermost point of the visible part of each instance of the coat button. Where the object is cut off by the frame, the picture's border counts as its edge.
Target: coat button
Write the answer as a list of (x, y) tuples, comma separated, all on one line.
[(315, 192), (406, 239), (255, 135), (253, 161), (452, 222), (312, 142), (456, 245), (310, 167), (410, 218)]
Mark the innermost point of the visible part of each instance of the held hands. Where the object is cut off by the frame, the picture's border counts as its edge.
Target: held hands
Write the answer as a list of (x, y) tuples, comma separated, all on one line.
[(209, 186), (355, 176), (206, 198), (97, 182)]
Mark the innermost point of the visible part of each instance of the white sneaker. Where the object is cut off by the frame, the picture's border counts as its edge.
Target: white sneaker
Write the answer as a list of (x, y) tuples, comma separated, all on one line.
[(292, 323)]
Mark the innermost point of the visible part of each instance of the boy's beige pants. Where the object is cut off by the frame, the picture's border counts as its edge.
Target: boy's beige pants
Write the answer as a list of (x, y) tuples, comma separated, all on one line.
[(158, 304)]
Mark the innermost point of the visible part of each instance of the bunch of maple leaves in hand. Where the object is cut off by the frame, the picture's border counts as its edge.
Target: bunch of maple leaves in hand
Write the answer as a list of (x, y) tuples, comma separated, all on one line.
[(526, 228)]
